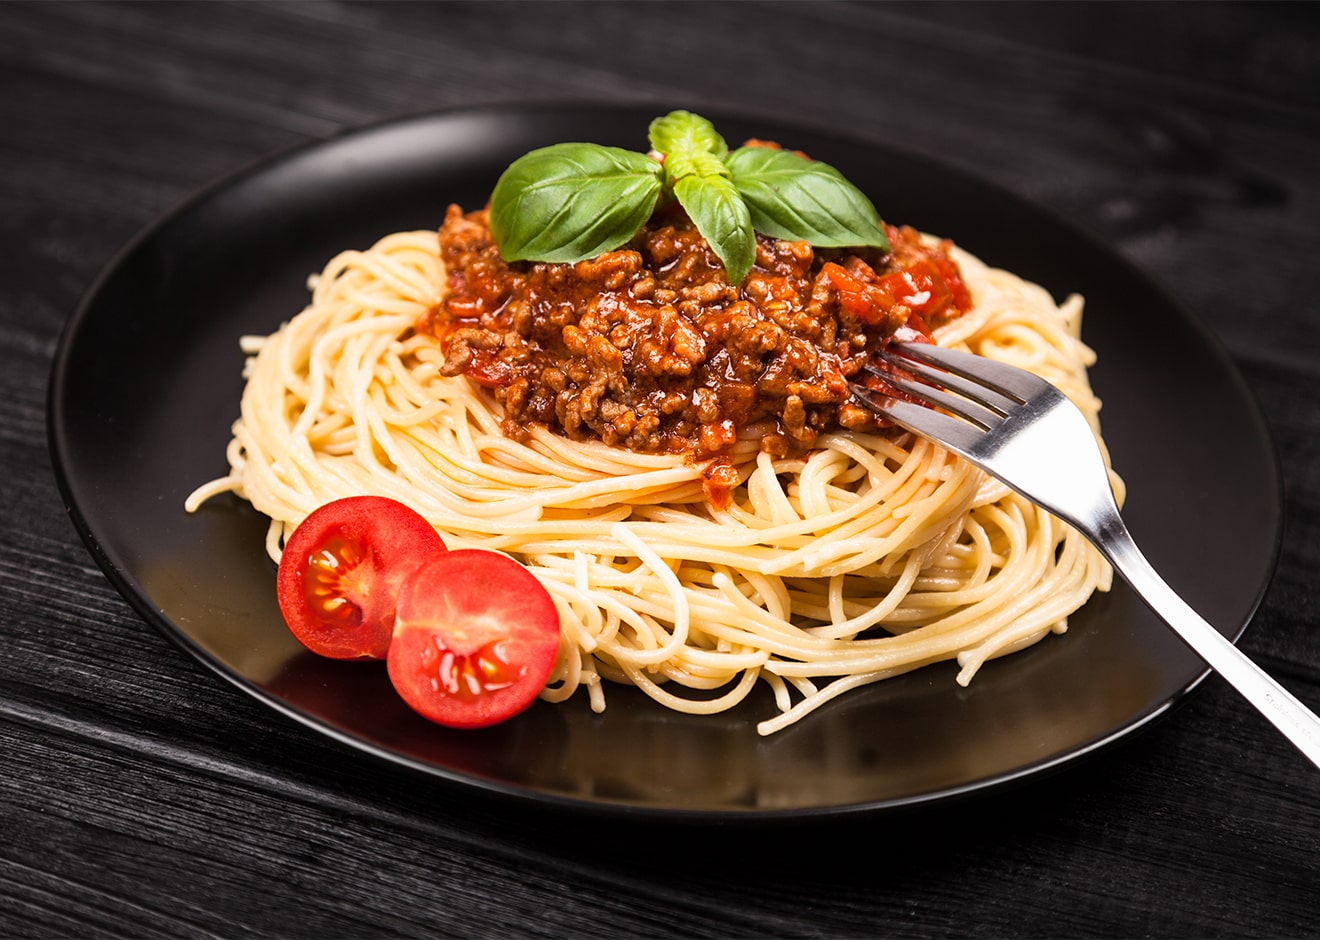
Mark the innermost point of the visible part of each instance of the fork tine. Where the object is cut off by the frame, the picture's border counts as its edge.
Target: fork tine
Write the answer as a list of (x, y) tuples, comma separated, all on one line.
[(1045, 449), (954, 433), (968, 408), (983, 395), (1011, 381)]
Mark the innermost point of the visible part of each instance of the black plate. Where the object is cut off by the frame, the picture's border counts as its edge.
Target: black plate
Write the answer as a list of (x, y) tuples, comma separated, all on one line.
[(147, 380)]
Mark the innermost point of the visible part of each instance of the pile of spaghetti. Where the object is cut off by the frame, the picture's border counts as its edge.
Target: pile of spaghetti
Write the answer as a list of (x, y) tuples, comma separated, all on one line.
[(813, 569)]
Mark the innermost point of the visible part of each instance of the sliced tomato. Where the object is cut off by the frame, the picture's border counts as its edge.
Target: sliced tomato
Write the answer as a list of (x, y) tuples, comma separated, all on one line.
[(475, 639), (341, 571)]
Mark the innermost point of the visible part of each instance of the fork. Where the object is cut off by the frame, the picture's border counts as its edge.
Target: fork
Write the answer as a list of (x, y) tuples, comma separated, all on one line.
[(1021, 429)]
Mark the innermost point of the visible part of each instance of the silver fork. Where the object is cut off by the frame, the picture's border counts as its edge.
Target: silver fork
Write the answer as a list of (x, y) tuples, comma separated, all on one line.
[(1023, 430)]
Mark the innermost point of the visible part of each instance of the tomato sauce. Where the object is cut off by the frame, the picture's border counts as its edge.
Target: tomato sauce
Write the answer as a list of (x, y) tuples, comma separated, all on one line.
[(650, 347)]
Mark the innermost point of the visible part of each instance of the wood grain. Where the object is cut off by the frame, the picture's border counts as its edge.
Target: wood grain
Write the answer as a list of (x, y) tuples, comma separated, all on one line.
[(142, 797)]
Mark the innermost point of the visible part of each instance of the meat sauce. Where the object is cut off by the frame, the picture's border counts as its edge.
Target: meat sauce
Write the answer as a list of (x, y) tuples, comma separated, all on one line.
[(650, 347)]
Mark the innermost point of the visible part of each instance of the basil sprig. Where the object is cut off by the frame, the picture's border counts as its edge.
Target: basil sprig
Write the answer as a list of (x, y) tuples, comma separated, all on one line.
[(573, 201)]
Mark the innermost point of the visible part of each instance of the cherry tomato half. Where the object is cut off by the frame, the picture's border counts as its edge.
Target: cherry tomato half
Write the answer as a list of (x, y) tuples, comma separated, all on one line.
[(475, 639), (341, 571)]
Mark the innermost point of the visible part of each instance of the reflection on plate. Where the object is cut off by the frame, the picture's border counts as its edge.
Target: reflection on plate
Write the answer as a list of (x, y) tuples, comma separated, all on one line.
[(147, 381)]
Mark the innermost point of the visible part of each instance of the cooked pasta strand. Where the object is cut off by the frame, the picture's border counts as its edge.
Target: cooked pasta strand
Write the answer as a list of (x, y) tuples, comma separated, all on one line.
[(871, 556)]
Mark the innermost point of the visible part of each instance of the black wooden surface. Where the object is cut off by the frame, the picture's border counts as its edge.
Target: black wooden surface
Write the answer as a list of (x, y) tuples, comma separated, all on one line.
[(141, 796)]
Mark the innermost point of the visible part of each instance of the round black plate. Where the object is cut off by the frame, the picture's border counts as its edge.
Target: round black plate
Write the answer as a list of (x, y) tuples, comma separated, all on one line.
[(147, 380)]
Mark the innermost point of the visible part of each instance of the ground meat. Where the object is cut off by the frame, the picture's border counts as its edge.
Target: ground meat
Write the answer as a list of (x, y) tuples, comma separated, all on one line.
[(650, 347)]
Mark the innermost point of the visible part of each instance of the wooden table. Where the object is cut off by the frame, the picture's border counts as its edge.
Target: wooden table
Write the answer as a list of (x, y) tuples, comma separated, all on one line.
[(141, 796)]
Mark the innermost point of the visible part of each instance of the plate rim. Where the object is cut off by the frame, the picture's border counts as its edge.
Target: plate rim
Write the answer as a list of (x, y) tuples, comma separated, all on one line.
[(136, 596)]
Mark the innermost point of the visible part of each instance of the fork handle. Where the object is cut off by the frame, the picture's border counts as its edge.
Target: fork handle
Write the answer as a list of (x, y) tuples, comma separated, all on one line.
[(1297, 722)]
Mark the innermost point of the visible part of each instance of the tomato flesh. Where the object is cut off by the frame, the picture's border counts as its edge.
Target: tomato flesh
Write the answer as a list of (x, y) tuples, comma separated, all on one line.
[(925, 288), (476, 637), (341, 570)]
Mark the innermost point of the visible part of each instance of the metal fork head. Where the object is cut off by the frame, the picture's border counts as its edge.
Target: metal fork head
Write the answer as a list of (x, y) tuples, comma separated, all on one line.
[(1011, 423), (1027, 433)]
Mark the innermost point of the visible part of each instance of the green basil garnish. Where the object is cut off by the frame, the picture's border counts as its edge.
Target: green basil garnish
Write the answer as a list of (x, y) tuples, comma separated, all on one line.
[(570, 202), (797, 199), (720, 215), (685, 132)]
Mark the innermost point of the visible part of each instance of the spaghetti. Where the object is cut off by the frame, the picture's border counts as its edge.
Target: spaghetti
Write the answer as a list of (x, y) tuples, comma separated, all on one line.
[(868, 556)]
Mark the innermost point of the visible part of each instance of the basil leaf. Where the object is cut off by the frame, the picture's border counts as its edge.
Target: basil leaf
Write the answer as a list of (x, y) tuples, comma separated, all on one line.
[(682, 132), (796, 199), (570, 202), (720, 215), (679, 165)]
